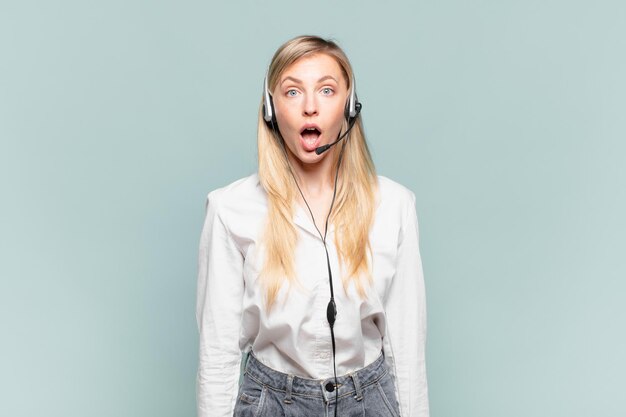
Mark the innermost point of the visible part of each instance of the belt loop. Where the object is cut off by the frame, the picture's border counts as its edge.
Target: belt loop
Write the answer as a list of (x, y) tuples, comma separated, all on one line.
[(357, 386), (287, 399)]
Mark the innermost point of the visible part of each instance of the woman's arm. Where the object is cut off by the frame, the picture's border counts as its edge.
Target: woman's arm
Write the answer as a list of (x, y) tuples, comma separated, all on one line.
[(218, 312), (406, 320)]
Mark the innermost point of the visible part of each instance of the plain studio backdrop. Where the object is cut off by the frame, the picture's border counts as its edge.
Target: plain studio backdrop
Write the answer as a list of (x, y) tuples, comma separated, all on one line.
[(505, 117)]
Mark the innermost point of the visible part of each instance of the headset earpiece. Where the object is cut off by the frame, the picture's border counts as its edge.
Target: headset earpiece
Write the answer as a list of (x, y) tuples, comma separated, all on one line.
[(352, 104), (268, 105)]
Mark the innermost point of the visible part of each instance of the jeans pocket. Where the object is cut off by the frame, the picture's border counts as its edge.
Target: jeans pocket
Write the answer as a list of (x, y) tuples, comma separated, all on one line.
[(250, 399), (387, 391)]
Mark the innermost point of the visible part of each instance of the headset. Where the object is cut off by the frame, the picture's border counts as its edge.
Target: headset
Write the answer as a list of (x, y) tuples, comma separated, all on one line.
[(352, 111)]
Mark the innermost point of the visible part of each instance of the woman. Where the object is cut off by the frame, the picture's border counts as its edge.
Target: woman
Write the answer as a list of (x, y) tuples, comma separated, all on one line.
[(310, 288)]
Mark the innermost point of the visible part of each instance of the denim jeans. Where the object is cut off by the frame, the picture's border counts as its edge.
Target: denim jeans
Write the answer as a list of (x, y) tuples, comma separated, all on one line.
[(265, 392)]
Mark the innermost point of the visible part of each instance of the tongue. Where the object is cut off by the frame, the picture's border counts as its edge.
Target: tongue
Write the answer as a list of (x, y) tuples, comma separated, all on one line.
[(310, 136), (310, 140)]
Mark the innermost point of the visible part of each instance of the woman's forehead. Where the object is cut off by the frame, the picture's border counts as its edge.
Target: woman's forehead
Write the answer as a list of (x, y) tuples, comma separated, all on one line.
[(312, 68)]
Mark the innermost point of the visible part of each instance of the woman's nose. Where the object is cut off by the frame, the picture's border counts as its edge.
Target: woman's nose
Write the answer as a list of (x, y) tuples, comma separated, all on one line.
[(310, 106)]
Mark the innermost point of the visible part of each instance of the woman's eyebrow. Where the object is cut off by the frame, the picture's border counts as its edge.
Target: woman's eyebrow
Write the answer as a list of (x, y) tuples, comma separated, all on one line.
[(327, 77), (297, 81)]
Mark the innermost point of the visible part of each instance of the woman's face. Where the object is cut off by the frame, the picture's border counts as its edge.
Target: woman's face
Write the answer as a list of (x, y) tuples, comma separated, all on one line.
[(309, 101)]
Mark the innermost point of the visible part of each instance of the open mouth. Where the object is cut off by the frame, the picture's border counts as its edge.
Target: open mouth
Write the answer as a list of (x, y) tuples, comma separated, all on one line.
[(310, 137), (310, 133)]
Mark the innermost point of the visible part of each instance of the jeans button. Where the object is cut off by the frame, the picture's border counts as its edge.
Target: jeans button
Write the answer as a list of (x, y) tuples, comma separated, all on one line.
[(330, 387)]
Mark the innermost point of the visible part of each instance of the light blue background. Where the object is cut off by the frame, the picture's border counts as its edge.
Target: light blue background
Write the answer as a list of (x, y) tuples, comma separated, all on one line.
[(506, 118)]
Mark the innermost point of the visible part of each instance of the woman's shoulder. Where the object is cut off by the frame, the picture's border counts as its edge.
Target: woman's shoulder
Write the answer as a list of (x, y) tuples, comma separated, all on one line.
[(241, 191), (395, 205), (242, 197), (393, 193), (241, 205)]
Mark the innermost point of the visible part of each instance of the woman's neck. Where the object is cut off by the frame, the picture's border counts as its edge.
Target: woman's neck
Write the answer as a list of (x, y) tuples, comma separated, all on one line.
[(315, 180)]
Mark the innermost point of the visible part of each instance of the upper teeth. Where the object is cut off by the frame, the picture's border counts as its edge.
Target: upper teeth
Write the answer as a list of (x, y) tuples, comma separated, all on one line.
[(311, 128)]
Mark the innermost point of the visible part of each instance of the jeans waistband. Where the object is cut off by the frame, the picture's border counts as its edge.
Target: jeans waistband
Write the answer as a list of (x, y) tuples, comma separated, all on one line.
[(348, 384)]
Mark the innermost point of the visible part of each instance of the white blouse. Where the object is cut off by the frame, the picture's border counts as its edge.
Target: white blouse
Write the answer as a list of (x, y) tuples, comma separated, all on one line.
[(295, 338)]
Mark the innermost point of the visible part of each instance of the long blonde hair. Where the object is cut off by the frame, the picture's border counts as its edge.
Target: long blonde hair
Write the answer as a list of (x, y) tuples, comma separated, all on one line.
[(353, 211)]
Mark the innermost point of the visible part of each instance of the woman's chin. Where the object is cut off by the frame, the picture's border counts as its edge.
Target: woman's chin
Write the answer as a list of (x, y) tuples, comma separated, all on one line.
[(311, 159)]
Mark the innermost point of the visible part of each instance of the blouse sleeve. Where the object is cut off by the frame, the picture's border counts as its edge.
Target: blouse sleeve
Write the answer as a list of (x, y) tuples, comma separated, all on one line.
[(218, 313), (405, 308)]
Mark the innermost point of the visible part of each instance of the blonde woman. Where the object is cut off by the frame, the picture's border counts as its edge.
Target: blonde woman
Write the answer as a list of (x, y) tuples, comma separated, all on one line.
[(310, 289)]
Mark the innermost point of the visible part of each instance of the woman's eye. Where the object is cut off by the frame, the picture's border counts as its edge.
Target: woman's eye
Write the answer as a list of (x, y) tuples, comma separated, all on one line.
[(326, 91), (291, 93)]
